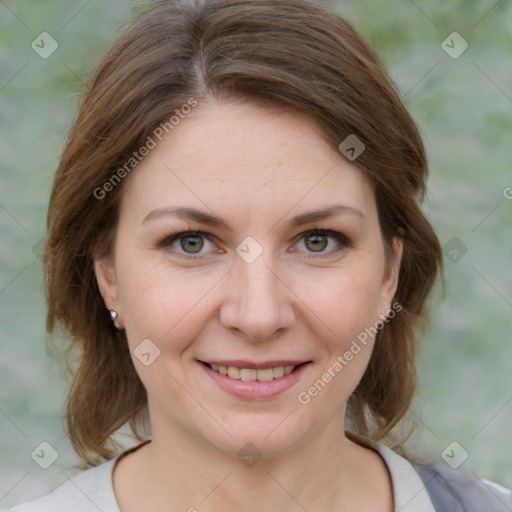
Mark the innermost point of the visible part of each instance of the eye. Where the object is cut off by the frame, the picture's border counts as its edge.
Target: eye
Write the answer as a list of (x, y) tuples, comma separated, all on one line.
[(187, 244), (317, 240)]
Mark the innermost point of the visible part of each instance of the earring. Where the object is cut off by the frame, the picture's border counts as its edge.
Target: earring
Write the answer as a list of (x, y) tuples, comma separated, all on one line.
[(113, 317)]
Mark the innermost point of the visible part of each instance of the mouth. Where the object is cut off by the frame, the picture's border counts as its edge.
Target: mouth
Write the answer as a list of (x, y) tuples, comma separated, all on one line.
[(255, 381), (263, 374)]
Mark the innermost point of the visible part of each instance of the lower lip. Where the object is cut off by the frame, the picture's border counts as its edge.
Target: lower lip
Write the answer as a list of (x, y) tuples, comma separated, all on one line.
[(256, 389)]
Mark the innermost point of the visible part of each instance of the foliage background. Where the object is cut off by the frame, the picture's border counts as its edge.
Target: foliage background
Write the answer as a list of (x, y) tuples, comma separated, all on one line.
[(464, 109)]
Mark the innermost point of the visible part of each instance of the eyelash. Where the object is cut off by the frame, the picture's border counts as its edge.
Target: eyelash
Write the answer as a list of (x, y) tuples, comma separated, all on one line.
[(340, 238)]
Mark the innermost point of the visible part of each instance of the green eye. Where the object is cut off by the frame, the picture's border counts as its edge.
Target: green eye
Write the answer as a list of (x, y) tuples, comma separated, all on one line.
[(316, 242), (192, 243)]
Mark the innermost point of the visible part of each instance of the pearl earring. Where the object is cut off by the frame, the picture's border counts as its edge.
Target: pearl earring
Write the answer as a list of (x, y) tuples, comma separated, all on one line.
[(113, 317)]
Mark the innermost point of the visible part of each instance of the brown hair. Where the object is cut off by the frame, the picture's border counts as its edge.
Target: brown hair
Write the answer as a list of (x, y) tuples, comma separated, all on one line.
[(285, 53)]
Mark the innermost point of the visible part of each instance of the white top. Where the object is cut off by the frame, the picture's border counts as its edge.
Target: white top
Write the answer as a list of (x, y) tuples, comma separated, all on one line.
[(92, 489)]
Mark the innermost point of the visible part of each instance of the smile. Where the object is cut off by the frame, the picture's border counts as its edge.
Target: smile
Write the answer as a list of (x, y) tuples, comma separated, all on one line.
[(251, 374), (266, 381)]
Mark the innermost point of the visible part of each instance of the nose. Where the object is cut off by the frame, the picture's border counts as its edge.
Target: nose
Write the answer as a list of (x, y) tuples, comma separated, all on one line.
[(258, 302)]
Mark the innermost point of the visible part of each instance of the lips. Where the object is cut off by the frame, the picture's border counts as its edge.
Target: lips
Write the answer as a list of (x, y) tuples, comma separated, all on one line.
[(255, 380)]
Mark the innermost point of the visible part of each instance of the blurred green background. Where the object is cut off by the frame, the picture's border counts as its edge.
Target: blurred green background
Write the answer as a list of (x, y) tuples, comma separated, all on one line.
[(464, 108)]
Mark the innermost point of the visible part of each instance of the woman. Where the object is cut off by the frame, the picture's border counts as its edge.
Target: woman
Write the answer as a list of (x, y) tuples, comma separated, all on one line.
[(236, 248)]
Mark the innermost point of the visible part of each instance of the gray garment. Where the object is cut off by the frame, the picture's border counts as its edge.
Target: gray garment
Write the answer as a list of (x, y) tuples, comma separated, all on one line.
[(457, 490), (416, 488)]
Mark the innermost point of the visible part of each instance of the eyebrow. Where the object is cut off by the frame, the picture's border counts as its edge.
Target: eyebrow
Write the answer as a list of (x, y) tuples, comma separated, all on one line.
[(208, 219)]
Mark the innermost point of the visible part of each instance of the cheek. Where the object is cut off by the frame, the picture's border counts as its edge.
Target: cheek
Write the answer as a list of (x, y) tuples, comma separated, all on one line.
[(345, 306), (345, 301), (160, 304)]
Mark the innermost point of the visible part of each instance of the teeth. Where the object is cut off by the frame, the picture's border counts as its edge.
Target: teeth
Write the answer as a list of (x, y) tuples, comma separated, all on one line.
[(278, 372), (233, 372), (250, 374)]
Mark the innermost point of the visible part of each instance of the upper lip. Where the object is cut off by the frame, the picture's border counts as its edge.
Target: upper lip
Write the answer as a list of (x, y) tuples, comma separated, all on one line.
[(239, 363)]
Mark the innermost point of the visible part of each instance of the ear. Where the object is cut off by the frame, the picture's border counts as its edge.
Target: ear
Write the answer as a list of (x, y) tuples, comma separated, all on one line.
[(106, 279), (392, 272)]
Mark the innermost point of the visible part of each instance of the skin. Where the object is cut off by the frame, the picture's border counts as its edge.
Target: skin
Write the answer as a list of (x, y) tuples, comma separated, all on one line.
[(256, 169)]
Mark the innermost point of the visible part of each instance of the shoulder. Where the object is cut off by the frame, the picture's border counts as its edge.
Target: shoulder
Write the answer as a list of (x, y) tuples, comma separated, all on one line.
[(409, 491), (90, 490), (461, 490), (436, 486)]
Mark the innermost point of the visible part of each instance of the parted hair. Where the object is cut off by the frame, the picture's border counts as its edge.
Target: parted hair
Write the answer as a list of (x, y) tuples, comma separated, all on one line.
[(290, 54)]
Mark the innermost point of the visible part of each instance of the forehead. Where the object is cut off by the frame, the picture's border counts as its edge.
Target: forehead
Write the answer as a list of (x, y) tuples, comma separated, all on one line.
[(248, 157)]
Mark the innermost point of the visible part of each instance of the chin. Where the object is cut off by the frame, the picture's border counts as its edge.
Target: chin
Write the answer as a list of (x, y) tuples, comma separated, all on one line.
[(259, 437)]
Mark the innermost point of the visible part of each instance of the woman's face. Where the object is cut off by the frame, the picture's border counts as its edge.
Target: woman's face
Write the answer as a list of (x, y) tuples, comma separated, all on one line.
[(288, 270)]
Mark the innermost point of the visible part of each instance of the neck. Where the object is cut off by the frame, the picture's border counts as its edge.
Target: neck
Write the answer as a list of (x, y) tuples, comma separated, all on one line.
[(326, 473)]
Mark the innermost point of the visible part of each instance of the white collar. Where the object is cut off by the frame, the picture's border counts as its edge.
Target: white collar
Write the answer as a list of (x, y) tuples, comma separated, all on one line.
[(409, 492)]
